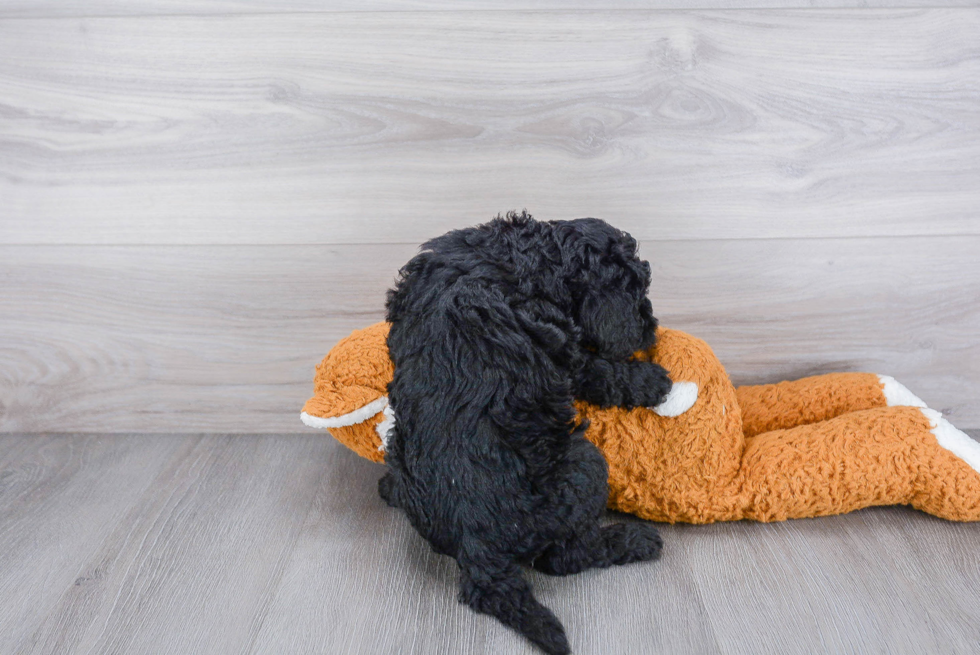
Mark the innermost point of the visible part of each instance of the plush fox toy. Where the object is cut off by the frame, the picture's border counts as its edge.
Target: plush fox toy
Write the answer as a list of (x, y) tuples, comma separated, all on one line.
[(827, 444)]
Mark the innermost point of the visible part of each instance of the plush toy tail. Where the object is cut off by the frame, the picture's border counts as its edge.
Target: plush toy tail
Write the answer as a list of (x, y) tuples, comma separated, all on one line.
[(506, 596)]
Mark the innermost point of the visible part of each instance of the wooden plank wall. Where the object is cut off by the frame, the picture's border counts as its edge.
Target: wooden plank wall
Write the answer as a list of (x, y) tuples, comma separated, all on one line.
[(198, 199)]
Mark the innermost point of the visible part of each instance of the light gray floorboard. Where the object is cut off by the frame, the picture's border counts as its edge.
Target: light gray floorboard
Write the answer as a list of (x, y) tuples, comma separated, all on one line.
[(394, 127), (209, 338), (879, 580), (373, 554), (191, 566), (279, 543), (60, 497)]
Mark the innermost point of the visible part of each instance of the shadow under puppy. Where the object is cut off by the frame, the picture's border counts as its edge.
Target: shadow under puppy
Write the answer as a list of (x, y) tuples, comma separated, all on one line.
[(495, 330)]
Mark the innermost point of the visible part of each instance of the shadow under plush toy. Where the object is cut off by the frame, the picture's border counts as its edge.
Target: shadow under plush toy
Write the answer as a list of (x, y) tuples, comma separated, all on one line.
[(822, 445)]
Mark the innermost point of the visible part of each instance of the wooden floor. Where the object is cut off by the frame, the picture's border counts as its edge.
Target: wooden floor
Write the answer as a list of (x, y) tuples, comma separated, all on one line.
[(202, 544)]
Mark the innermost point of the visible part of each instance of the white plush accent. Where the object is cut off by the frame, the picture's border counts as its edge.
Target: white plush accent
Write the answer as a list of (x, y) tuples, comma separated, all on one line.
[(896, 393), (357, 416), (956, 442), (681, 398), (385, 426)]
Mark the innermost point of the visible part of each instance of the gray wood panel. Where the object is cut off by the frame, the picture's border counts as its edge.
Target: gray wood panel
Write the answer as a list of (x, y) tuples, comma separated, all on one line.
[(393, 127), (205, 549), (59, 498), (205, 338), (372, 553), (279, 543), (866, 582), (96, 8)]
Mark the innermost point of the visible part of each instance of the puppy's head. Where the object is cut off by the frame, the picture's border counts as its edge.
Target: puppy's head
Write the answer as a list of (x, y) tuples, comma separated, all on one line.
[(608, 284)]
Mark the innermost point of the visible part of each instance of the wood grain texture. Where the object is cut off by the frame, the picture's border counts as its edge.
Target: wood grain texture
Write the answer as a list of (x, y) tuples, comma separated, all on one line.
[(204, 338), (59, 498), (98, 8), (393, 127), (863, 582), (205, 548), (258, 544), (413, 606)]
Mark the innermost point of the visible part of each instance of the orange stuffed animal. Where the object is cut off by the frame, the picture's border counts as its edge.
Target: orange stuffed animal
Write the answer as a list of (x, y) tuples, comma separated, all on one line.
[(827, 444)]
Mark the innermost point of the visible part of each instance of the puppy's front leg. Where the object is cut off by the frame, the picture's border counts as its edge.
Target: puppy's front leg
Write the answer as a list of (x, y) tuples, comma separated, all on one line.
[(628, 384)]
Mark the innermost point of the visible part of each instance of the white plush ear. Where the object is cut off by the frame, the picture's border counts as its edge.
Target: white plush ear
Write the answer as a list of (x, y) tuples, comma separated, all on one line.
[(359, 415), (681, 398)]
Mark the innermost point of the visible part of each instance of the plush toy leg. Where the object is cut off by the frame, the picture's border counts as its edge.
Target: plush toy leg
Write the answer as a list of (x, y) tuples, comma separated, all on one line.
[(879, 456), (818, 398)]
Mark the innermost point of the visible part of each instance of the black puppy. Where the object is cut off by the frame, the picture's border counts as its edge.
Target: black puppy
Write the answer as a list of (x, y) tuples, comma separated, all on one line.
[(494, 331)]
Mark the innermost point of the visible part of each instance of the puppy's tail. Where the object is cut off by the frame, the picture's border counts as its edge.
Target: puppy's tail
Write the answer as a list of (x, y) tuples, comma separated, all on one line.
[(506, 596)]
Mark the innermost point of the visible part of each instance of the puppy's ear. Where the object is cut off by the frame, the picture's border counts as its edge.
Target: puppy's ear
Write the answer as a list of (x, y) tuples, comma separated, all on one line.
[(612, 324), (614, 312)]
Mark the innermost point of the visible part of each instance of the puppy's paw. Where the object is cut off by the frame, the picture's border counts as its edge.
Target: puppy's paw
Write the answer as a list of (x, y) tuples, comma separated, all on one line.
[(632, 542), (650, 384), (386, 489), (681, 398)]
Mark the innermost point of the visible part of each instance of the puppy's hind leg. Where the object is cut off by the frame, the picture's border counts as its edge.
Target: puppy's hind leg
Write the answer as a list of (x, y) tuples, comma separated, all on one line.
[(389, 490), (619, 543), (581, 501), (494, 586)]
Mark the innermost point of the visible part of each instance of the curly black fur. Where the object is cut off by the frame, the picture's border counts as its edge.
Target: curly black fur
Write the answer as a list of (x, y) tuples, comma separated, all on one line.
[(494, 331)]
